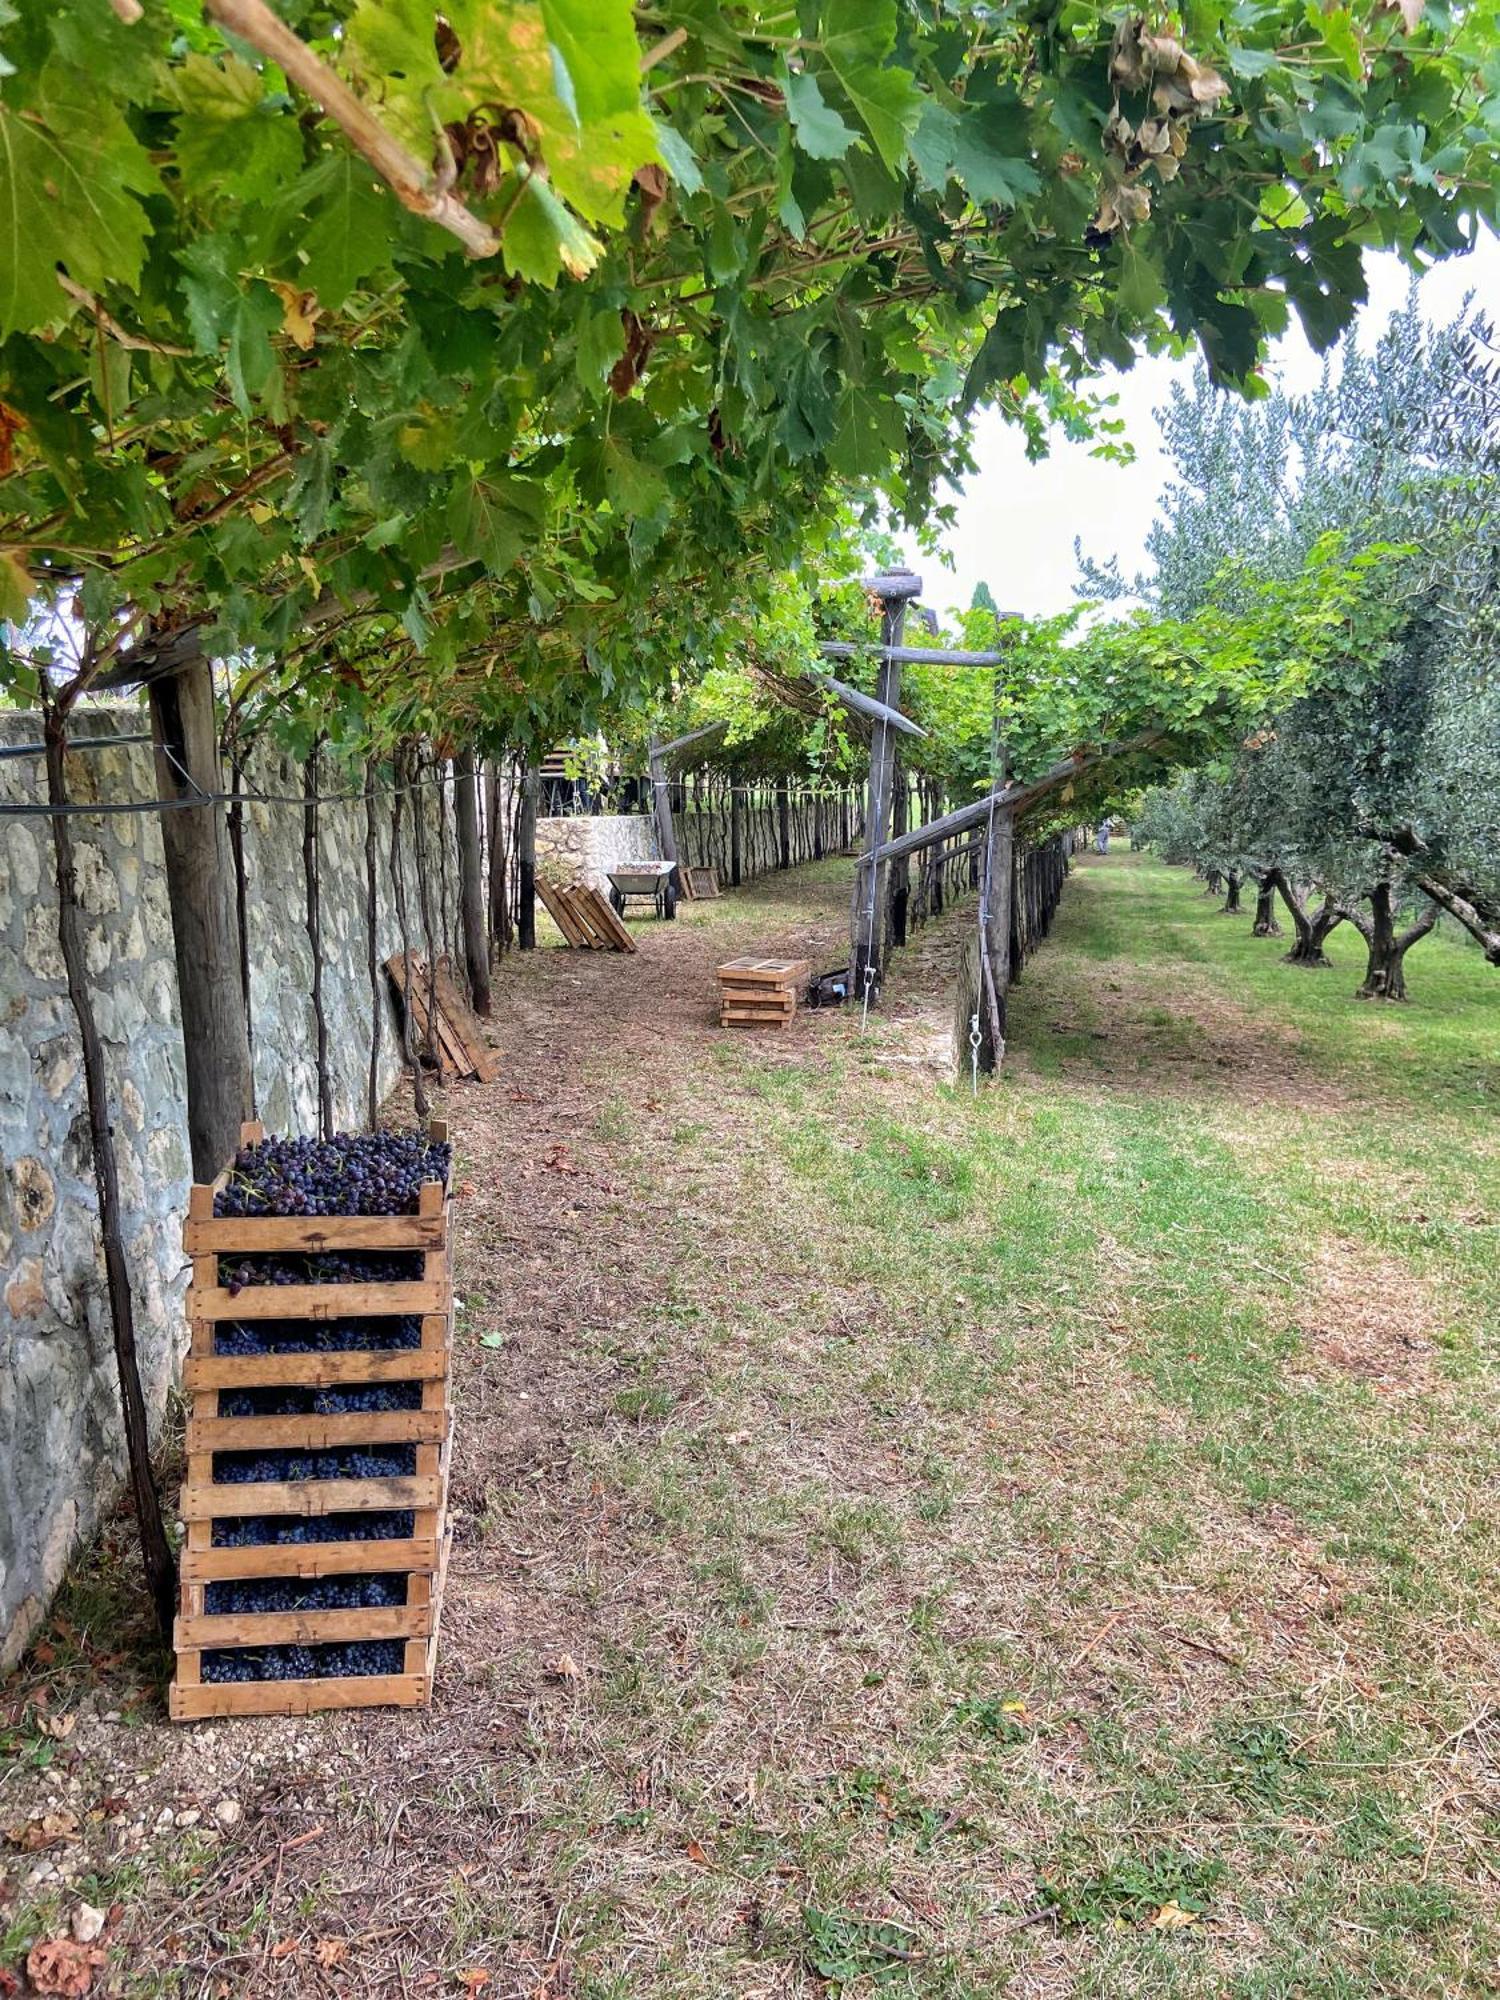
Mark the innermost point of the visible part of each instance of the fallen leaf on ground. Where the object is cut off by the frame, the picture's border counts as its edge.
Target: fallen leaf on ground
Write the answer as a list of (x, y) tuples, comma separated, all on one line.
[(330, 1952), (474, 1978), (59, 1726), (50, 1830), (564, 1668), (696, 1852), (57, 1965), (1172, 1917), (286, 1948)]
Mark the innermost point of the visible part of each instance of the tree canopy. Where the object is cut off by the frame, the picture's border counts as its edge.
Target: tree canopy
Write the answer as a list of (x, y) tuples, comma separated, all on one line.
[(486, 369)]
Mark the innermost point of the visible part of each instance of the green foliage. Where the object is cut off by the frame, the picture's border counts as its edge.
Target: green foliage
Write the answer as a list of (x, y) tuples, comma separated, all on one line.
[(749, 265)]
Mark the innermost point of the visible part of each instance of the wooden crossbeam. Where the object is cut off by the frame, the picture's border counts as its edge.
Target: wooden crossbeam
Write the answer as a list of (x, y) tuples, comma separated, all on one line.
[(911, 656), (1017, 797)]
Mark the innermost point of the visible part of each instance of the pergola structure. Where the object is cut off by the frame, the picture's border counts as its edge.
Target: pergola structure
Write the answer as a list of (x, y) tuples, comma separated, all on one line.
[(895, 590)]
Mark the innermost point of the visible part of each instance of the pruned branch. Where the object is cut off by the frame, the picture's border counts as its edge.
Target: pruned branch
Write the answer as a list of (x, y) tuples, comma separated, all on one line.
[(416, 187)]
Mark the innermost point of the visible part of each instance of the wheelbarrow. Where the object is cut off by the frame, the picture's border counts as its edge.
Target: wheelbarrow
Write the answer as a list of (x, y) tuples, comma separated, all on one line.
[(645, 878)]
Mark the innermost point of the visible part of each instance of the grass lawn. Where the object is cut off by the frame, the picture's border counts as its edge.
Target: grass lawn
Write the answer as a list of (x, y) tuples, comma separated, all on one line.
[(1039, 1545)]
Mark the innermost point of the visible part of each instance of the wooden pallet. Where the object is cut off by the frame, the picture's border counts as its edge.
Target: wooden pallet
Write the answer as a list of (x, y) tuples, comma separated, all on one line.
[(703, 883), (602, 916), (421, 1556), (585, 917), (452, 1040), (760, 992), (561, 912)]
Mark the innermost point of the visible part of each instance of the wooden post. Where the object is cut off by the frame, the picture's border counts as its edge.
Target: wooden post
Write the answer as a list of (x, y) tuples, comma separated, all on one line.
[(661, 800), (531, 788), (470, 879), (784, 824), (996, 893), (895, 589), (494, 819), (736, 833), (200, 891), (899, 894)]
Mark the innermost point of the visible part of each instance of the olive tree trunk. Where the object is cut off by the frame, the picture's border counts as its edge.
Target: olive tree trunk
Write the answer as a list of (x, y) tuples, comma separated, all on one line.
[(1385, 970)]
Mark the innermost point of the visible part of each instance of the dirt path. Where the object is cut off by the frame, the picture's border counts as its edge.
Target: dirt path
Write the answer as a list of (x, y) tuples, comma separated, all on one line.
[(352, 1852)]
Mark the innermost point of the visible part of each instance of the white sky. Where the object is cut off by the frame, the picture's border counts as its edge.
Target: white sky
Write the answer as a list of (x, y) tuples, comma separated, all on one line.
[(1016, 521)]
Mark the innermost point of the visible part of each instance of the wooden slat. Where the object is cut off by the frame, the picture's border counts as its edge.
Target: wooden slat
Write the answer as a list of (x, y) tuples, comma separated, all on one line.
[(416, 1553), (406, 1296), (217, 1501), (191, 1704), (705, 883), (604, 917), (277, 1371), (775, 999), (583, 916), (768, 1021), (228, 1233), (410, 978), (481, 1058), (317, 1433), (561, 915), (302, 1628), (765, 971)]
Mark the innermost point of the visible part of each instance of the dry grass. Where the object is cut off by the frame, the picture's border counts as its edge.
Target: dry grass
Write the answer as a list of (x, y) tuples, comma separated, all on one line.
[(904, 1544)]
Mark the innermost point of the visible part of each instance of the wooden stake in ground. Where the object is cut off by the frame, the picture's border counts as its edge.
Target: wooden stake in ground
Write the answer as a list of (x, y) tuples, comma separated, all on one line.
[(470, 879), (205, 935), (156, 1551)]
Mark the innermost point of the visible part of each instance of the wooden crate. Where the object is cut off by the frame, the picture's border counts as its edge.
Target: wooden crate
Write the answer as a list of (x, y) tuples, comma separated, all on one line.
[(760, 992), (420, 1557)]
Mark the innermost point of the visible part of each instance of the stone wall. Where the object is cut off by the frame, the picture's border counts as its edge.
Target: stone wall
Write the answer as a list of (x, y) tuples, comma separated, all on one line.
[(585, 848), (61, 1448)]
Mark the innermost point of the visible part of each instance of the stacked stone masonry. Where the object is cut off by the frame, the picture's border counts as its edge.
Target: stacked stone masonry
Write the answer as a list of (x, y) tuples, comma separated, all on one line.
[(61, 1448)]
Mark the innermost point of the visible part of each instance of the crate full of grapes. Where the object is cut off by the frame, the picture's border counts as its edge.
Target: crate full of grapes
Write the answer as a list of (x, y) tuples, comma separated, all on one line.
[(314, 1500)]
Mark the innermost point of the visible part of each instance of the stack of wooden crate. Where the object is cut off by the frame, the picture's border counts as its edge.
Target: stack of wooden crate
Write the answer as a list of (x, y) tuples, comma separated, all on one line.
[(760, 992), (412, 1508)]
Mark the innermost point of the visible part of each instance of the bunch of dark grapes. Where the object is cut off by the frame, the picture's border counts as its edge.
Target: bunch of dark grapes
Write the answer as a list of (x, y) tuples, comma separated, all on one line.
[(375, 1173), (304, 1663), (356, 1400), (317, 1336), (239, 1468), (259, 1531), (318, 1267), (305, 1593)]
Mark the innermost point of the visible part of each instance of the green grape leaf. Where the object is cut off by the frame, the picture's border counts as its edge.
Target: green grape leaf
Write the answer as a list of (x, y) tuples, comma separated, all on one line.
[(348, 234), (69, 176), (226, 142), (888, 104), (541, 239), (678, 156), (870, 431), (821, 133), (601, 342), (570, 67), (483, 524)]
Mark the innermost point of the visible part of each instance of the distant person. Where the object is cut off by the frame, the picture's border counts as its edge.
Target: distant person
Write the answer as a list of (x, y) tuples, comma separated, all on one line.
[(1101, 838)]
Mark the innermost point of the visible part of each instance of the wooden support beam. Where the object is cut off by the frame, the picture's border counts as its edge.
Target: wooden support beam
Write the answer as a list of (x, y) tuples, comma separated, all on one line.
[(205, 929), (910, 656), (867, 705), (1019, 797), (867, 913), (661, 806), (531, 789)]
